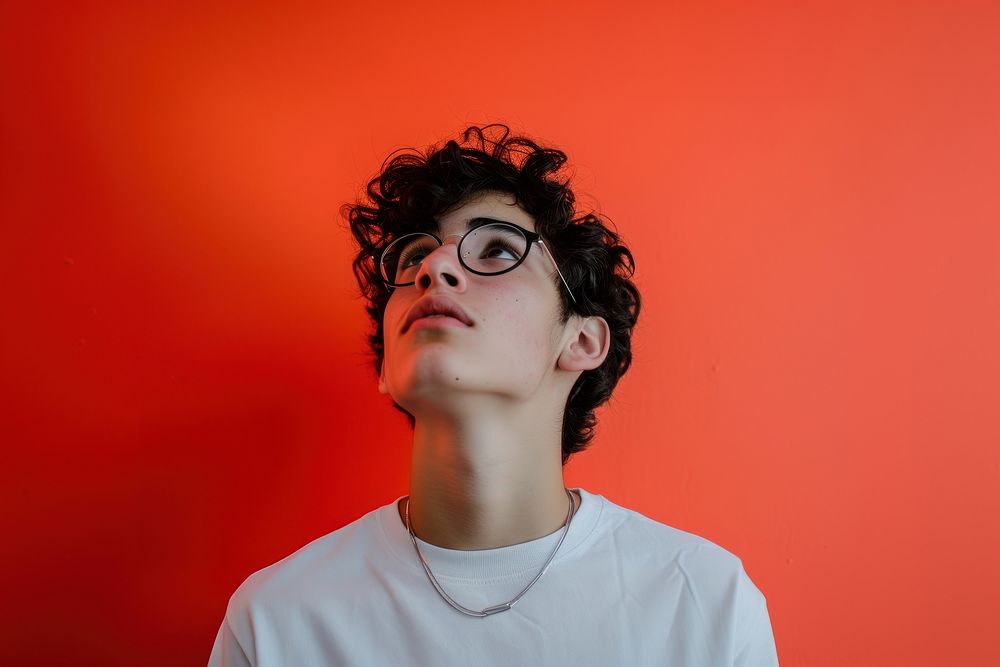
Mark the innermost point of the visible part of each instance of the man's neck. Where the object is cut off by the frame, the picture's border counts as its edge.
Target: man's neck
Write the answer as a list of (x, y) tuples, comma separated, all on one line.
[(484, 487)]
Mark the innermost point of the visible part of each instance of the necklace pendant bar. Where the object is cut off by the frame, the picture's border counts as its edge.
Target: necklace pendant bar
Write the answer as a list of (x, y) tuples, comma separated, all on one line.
[(496, 609)]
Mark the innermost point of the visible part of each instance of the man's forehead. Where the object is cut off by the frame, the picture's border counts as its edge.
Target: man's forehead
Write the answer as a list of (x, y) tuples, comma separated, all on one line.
[(474, 211)]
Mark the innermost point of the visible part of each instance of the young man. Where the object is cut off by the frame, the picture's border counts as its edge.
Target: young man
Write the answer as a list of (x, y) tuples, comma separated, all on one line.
[(502, 319)]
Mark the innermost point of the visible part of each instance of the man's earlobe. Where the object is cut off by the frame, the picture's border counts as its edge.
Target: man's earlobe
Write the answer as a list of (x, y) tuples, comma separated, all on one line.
[(382, 389), (589, 348)]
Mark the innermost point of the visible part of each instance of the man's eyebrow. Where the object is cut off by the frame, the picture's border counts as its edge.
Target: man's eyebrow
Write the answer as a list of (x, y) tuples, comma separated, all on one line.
[(479, 222)]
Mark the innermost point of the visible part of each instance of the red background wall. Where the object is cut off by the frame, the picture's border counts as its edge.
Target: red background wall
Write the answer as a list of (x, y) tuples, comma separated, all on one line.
[(810, 190)]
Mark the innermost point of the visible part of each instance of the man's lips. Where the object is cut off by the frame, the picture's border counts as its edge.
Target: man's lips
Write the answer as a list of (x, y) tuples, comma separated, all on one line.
[(439, 310), (430, 321)]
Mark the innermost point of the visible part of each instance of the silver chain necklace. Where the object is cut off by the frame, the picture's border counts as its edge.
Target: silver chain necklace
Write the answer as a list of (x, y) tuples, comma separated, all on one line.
[(495, 609)]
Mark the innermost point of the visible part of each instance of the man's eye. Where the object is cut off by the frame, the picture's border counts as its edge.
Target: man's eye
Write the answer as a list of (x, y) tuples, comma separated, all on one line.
[(414, 254), (497, 247), (412, 259)]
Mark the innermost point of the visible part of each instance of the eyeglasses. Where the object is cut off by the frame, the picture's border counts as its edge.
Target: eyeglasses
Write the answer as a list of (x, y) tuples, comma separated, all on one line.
[(488, 250)]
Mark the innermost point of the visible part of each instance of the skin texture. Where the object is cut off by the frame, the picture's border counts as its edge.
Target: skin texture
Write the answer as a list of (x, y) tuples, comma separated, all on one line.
[(488, 399)]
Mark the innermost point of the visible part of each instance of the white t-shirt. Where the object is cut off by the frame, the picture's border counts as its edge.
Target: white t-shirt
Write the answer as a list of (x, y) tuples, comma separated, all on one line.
[(622, 590)]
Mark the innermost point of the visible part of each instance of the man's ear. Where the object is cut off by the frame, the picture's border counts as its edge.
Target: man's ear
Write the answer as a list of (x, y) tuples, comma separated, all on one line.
[(589, 347)]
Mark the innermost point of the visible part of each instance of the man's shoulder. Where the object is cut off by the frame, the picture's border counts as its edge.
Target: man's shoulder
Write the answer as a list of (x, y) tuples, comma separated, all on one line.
[(296, 574), (661, 542), (656, 551)]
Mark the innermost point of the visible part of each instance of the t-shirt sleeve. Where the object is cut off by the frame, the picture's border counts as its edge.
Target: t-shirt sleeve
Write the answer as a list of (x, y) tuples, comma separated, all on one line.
[(227, 651), (754, 639)]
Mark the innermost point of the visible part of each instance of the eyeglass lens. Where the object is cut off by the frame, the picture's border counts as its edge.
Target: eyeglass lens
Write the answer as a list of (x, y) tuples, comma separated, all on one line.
[(487, 249)]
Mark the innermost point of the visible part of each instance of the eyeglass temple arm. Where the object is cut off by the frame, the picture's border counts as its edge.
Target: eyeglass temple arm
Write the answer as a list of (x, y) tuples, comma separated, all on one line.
[(545, 248)]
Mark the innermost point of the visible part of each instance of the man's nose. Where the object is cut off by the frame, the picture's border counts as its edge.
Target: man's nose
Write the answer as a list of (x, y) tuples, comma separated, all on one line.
[(442, 267)]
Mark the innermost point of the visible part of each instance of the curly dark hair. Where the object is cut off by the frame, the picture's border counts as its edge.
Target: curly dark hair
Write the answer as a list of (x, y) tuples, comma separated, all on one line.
[(413, 188)]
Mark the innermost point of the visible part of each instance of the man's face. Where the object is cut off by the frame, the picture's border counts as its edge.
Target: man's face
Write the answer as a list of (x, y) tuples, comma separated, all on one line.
[(512, 345)]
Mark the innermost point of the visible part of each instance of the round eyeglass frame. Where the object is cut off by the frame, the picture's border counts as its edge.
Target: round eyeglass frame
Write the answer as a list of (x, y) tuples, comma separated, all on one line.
[(530, 238)]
